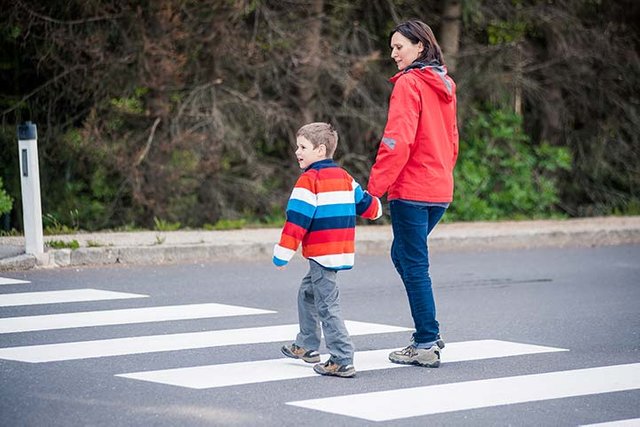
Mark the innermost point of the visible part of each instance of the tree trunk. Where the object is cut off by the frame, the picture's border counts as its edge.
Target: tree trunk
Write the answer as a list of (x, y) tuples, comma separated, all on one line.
[(310, 62), (450, 32)]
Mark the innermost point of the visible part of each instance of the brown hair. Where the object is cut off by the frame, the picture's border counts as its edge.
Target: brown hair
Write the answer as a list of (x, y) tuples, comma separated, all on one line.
[(320, 133), (417, 31)]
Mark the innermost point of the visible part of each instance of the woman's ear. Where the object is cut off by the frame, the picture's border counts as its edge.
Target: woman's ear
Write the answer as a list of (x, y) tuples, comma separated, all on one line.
[(420, 48)]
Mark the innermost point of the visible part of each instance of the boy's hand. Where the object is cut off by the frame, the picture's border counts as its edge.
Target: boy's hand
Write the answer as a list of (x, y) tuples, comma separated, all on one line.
[(281, 267)]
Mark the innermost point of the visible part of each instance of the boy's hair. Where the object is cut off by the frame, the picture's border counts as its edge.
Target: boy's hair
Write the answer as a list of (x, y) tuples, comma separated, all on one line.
[(320, 133)]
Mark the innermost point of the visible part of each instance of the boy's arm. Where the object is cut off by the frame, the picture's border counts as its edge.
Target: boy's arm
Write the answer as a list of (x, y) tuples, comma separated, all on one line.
[(367, 206), (300, 211)]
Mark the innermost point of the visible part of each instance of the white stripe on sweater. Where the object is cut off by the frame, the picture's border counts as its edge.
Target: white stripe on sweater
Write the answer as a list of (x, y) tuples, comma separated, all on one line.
[(335, 198), (334, 261), (305, 195), (283, 253)]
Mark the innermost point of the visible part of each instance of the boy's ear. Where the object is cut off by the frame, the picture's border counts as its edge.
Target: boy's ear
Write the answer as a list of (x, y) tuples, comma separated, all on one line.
[(323, 150)]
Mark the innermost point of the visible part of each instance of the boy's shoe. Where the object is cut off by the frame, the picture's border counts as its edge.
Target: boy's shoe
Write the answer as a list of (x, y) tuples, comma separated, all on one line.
[(333, 369), (295, 352), (428, 357)]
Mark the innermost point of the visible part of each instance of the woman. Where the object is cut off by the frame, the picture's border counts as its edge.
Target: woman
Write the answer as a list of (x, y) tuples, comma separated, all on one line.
[(414, 167)]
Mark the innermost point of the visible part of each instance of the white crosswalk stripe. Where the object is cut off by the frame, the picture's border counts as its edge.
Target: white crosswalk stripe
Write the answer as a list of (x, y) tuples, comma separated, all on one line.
[(437, 399), (57, 297), (212, 376), (122, 317), (9, 281), (633, 422), (171, 342), (395, 404)]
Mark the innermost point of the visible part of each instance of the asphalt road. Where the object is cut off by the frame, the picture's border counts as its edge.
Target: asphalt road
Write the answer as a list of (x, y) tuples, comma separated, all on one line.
[(569, 311)]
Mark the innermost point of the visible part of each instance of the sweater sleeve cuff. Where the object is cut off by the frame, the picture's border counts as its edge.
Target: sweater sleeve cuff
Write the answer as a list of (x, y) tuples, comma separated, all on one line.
[(282, 255)]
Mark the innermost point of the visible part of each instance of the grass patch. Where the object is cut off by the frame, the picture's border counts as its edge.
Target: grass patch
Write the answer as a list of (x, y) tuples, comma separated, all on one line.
[(163, 225), (61, 244), (226, 224)]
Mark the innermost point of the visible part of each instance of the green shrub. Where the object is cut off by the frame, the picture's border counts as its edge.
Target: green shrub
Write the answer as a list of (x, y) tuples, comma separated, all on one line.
[(6, 202), (500, 174), (53, 226)]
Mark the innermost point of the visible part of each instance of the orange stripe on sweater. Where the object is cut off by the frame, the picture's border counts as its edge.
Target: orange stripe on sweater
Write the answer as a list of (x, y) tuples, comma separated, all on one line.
[(306, 180), (326, 185), (331, 248), (289, 242)]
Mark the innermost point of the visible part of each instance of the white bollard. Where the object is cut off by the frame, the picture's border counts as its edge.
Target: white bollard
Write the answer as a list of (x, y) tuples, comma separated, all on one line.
[(30, 183)]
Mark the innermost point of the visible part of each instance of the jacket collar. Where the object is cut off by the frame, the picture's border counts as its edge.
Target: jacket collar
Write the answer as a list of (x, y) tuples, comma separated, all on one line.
[(434, 74), (322, 164)]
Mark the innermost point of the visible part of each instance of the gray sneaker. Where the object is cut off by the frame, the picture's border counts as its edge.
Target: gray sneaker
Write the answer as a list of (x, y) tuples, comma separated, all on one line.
[(410, 355), (333, 369), (295, 352)]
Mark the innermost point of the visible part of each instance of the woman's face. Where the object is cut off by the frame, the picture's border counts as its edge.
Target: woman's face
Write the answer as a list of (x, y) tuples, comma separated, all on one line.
[(403, 51)]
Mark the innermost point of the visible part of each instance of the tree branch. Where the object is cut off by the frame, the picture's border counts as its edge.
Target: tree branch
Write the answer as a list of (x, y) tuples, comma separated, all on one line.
[(73, 22), (149, 141)]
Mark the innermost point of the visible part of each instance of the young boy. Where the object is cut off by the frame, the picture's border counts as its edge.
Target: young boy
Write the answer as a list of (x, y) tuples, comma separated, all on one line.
[(321, 215)]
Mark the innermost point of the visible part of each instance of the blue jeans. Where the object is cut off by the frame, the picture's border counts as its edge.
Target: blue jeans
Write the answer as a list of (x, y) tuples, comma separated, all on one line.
[(411, 225), (319, 304)]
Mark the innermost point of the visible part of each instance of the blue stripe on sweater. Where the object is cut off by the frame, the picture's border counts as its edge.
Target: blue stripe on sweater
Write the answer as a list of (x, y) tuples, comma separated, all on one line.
[(298, 219), (358, 193), (301, 207), (319, 224), (326, 211), (279, 262), (364, 203)]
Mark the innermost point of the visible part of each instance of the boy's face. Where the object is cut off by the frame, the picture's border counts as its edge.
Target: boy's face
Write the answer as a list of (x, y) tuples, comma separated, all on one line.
[(308, 155)]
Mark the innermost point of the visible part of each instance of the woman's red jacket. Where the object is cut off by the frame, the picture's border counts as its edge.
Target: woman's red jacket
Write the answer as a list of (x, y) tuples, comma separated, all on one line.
[(419, 146)]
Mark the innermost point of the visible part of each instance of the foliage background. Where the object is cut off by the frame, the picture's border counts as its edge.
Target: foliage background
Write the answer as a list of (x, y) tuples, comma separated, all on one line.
[(183, 111)]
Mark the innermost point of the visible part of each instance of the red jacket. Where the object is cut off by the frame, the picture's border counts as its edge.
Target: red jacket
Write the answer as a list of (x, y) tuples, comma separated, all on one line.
[(419, 147)]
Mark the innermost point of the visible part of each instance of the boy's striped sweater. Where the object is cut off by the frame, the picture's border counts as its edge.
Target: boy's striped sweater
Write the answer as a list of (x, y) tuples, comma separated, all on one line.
[(321, 215)]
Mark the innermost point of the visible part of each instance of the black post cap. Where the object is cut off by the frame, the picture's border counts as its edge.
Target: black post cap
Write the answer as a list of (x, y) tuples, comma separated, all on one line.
[(27, 130)]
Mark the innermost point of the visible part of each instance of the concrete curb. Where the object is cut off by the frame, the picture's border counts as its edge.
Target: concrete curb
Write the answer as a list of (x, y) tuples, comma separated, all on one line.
[(20, 262), (140, 248)]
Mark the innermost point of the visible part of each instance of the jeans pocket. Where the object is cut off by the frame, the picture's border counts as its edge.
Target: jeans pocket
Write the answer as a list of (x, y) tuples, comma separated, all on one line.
[(316, 271)]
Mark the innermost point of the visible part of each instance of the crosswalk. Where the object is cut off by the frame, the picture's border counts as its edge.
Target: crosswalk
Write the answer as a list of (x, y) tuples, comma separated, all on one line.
[(223, 375), (169, 342), (70, 295), (125, 316), (8, 281), (375, 406), (437, 399)]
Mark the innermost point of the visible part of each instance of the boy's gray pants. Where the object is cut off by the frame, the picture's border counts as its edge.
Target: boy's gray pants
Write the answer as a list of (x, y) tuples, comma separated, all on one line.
[(319, 303)]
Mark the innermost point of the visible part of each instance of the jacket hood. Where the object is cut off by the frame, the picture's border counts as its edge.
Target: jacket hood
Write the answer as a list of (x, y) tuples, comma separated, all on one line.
[(435, 75)]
